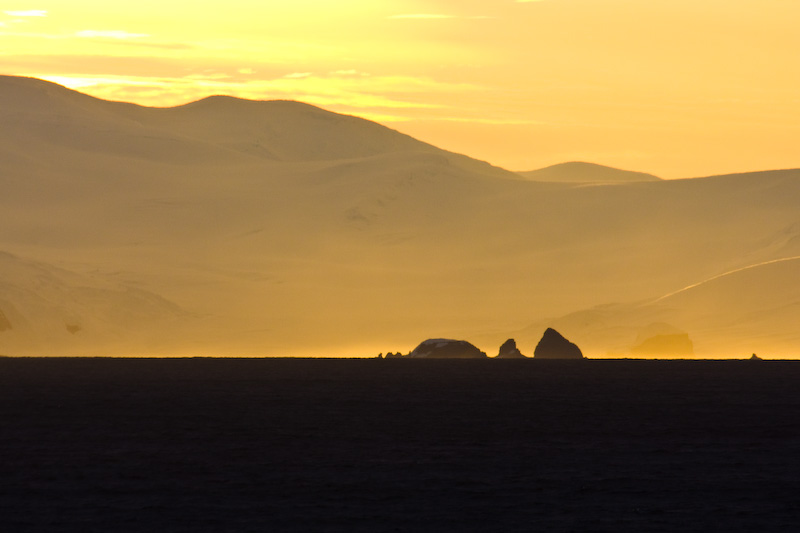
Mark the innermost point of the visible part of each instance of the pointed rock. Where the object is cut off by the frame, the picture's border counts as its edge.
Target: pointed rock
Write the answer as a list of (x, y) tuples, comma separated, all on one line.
[(554, 346), (509, 350)]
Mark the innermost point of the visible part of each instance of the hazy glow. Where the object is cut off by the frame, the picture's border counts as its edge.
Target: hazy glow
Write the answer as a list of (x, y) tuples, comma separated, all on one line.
[(677, 88)]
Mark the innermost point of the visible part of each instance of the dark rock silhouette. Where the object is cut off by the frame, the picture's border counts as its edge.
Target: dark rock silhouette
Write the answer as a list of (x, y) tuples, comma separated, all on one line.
[(554, 346), (391, 355), (675, 345), (446, 349), (754, 357), (5, 324), (509, 350)]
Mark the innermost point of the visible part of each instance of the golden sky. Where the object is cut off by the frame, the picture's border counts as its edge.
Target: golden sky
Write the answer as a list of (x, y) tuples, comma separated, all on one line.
[(678, 88)]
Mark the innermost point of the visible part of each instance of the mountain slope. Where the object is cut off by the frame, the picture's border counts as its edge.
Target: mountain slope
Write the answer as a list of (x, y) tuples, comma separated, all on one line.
[(754, 309), (52, 311)]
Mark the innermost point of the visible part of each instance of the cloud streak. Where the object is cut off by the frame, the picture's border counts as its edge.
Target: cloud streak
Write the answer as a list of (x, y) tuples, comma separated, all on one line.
[(110, 34), (28, 13), (436, 16), (422, 16)]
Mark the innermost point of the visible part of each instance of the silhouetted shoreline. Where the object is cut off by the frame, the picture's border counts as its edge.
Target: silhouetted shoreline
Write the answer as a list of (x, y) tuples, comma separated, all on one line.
[(369, 358)]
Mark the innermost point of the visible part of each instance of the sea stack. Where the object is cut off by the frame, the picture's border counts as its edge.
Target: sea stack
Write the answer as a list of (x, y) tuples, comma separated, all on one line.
[(554, 346), (509, 350), (446, 349)]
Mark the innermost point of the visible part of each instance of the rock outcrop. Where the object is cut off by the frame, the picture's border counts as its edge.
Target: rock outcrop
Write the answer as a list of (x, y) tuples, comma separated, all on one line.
[(554, 346), (446, 349), (509, 350)]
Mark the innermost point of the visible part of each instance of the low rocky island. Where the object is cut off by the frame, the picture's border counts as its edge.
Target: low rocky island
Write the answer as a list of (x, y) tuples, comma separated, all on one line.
[(552, 346), (446, 349)]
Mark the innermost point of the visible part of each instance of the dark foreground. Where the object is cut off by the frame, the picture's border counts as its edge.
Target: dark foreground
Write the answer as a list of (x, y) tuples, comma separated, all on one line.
[(197, 445)]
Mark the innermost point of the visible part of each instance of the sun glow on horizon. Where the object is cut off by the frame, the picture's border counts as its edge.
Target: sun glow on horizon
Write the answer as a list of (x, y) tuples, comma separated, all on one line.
[(678, 89)]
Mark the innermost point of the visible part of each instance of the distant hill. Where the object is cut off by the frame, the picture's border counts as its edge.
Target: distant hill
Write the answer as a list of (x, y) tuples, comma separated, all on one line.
[(578, 172), (278, 228)]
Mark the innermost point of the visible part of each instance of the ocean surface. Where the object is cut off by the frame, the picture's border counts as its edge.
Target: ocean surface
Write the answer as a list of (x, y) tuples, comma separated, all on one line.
[(241, 445)]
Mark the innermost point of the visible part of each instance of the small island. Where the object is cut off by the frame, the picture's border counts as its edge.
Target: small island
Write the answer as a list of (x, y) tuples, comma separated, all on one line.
[(553, 345)]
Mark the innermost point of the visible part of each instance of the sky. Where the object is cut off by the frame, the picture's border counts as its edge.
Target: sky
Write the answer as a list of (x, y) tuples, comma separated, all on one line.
[(677, 88)]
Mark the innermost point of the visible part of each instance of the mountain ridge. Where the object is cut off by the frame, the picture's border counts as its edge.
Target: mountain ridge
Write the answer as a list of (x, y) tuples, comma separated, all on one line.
[(215, 127)]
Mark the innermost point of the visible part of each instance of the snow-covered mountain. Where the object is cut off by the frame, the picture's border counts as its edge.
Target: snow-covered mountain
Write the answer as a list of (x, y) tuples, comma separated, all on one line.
[(278, 228)]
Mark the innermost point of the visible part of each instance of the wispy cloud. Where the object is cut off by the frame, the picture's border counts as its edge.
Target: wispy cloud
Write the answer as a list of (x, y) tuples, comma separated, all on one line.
[(144, 44), (429, 16), (437, 16), (298, 75), (28, 13), (118, 38), (492, 121), (210, 76), (349, 72), (77, 82), (34, 35), (110, 34)]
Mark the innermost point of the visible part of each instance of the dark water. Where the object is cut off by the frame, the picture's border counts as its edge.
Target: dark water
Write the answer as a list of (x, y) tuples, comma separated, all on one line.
[(386, 445)]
